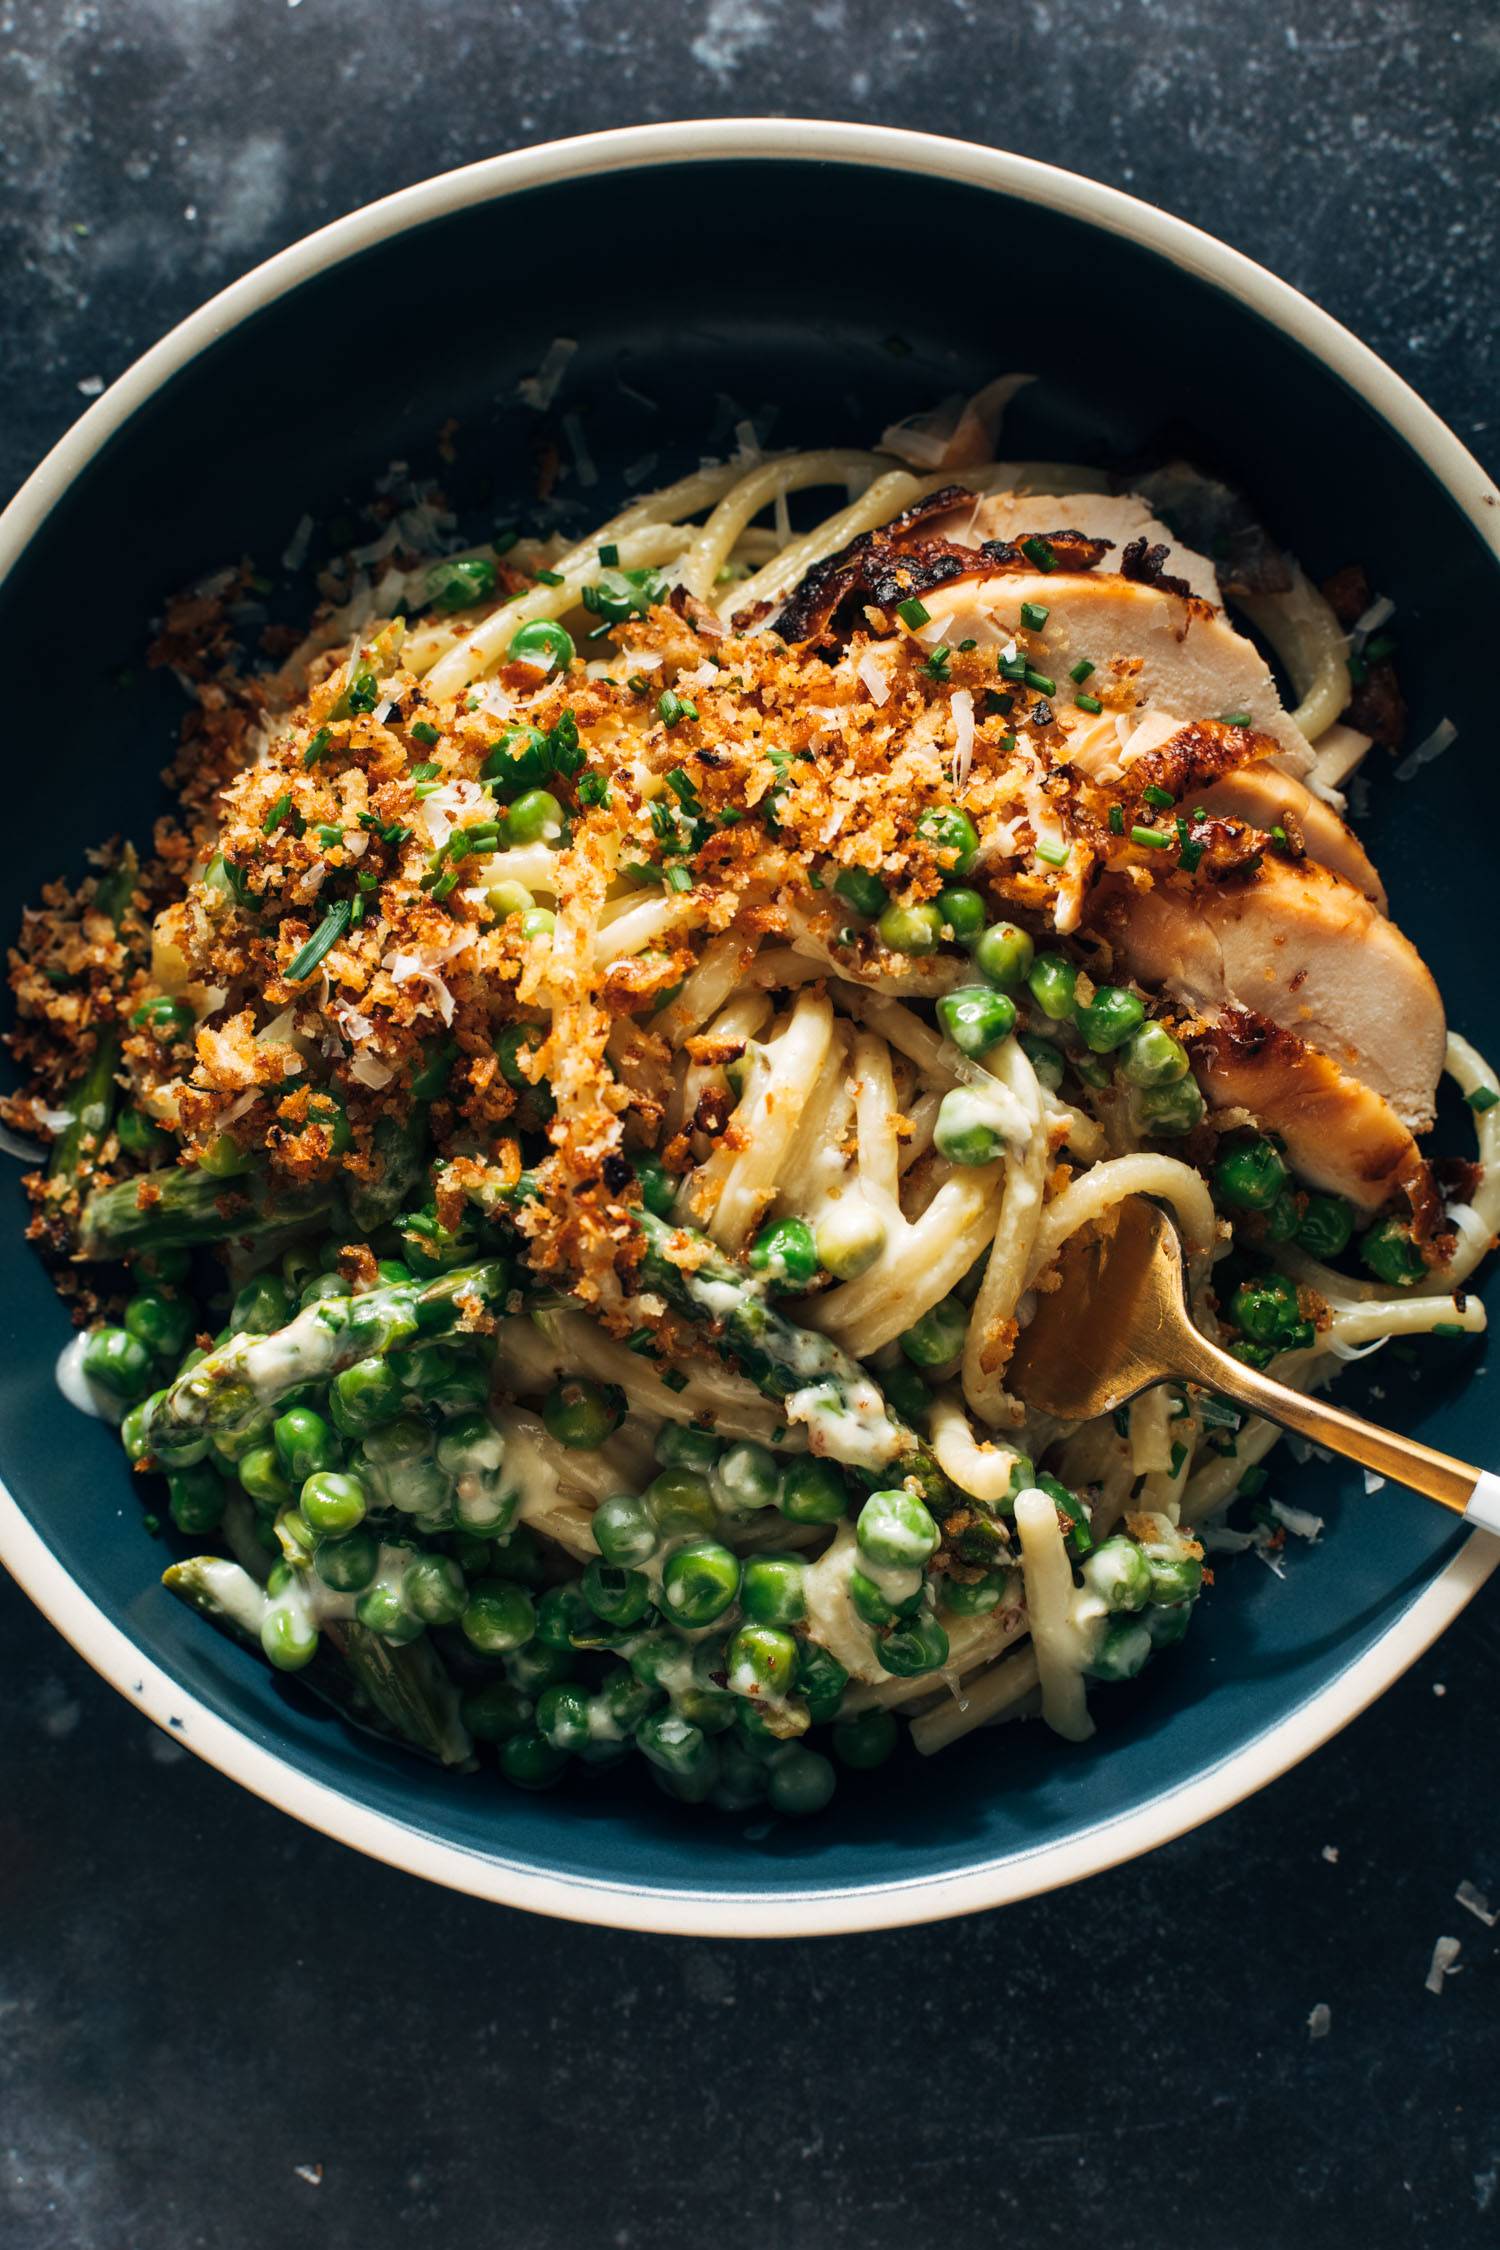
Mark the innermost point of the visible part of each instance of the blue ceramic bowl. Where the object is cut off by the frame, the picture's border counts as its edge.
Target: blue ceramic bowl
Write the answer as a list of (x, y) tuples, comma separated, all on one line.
[(842, 275)]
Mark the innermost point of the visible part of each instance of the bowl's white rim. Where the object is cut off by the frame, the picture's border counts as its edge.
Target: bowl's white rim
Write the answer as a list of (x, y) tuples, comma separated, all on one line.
[(721, 1912)]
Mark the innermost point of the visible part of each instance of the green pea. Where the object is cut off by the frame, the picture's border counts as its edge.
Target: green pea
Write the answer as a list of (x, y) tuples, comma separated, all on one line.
[(434, 1590), (542, 643), (1267, 1311), (167, 1018), (363, 1397), (1118, 1572), (1167, 1625), (699, 1581), (1283, 1219), (534, 1666), (494, 1711), (747, 1477), (870, 1602), (658, 1187), (517, 761), (660, 1661), (623, 1530), (196, 1499), (741, 1784), (850, 1237), (168, 1268), (498, 1616), (461, 582), (762, 1660), (562, 1716), (679, 1749), (1249, 1174), (539, 922), (938, 1336), (536, 817), (948, 829), (288, 1640), (527, 1759), (913, 1646), (333, 1503), (896, 1531), (963, 915), (581, 1414), (626, 1700), (518, 1555), (119, 1363), (618, 1595), (680, 1500), (975, 1597), (262, 1306), (1052, 983), (1152, 1057), (1122, 1650), (1003, 955), (865, 1740), (507, 899), (139, 1137), (1326, 1225), (907, 1393), (262, 1477), (323, 1289), (861, 890), (800, 1782), (786, 1254), (564, 1618), (1389, 1253), (821, 1679), (349, 1564), (813, 1491), (516, 1043), (162, 1324), (912, 930), (304, 1442), (772, 1590), (1170, 1111), (680, 1446), (1044, 1059), (382, 1609), (1111, 1018), (134, 1427), (976, 1017), (223, 1158), (1174, 1579), (965, 1132)]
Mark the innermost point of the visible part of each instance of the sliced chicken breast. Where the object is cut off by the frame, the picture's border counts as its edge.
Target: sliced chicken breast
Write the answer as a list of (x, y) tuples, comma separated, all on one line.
[(1298, 944), (1167, 651), (1340, 1134), (1117, 517), (1268, 797)]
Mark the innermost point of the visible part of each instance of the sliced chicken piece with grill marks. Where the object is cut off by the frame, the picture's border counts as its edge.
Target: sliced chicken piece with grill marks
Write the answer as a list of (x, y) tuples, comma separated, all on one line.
[(1339, 1133), (1117, 517), (1149, 648), (1268, 798), (1298, 944)]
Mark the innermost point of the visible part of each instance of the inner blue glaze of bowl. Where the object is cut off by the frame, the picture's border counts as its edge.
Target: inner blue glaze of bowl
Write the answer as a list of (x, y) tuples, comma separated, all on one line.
[(840, 297)]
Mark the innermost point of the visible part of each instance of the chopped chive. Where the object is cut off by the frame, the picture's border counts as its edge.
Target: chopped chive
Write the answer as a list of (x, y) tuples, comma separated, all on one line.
[(638, 684), (965, 646), (326, 935), (679, 879), (912, 612), (609, 555), (1150, 839), (1482, 1098), (1056, 855), (422, 730), (1160, 798), (329, 839), (937, 663), (1034, 615), (505, 539), (1088, 703), (1012, 668), (1234, 718), (1117, 820), (1040, 552), (1080, 671), (1039, 683), (1007, 743), (277, 814), (1446, 1328), (319, 744), (1359, 670), (669, 705), (1376, 652), (1278, 838), (425, 772), (674, 1379), (549, 577), (1254, 1480)]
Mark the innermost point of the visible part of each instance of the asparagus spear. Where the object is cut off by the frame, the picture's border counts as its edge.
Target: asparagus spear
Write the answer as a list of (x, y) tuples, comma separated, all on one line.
[(185, 1208), (848, 1411), (401, 1142), (401, 1693), (229, 1390)]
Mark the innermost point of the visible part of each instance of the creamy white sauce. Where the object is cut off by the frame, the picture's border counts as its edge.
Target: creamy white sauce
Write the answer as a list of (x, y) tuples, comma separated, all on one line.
[(851, 1426)]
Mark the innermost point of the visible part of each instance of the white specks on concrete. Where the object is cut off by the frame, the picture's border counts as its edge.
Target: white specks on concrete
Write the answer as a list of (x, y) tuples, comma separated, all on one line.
[(731, 30)]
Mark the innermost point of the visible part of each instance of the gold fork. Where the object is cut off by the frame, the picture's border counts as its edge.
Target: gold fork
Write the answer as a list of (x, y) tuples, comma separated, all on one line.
[(1118, 1322)]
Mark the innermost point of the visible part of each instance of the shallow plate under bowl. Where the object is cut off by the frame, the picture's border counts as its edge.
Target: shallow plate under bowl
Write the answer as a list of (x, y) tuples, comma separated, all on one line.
[(840, 276)]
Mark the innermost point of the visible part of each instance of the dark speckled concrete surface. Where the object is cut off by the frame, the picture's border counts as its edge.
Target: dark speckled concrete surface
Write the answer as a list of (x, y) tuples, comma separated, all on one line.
[(217, 2029)]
